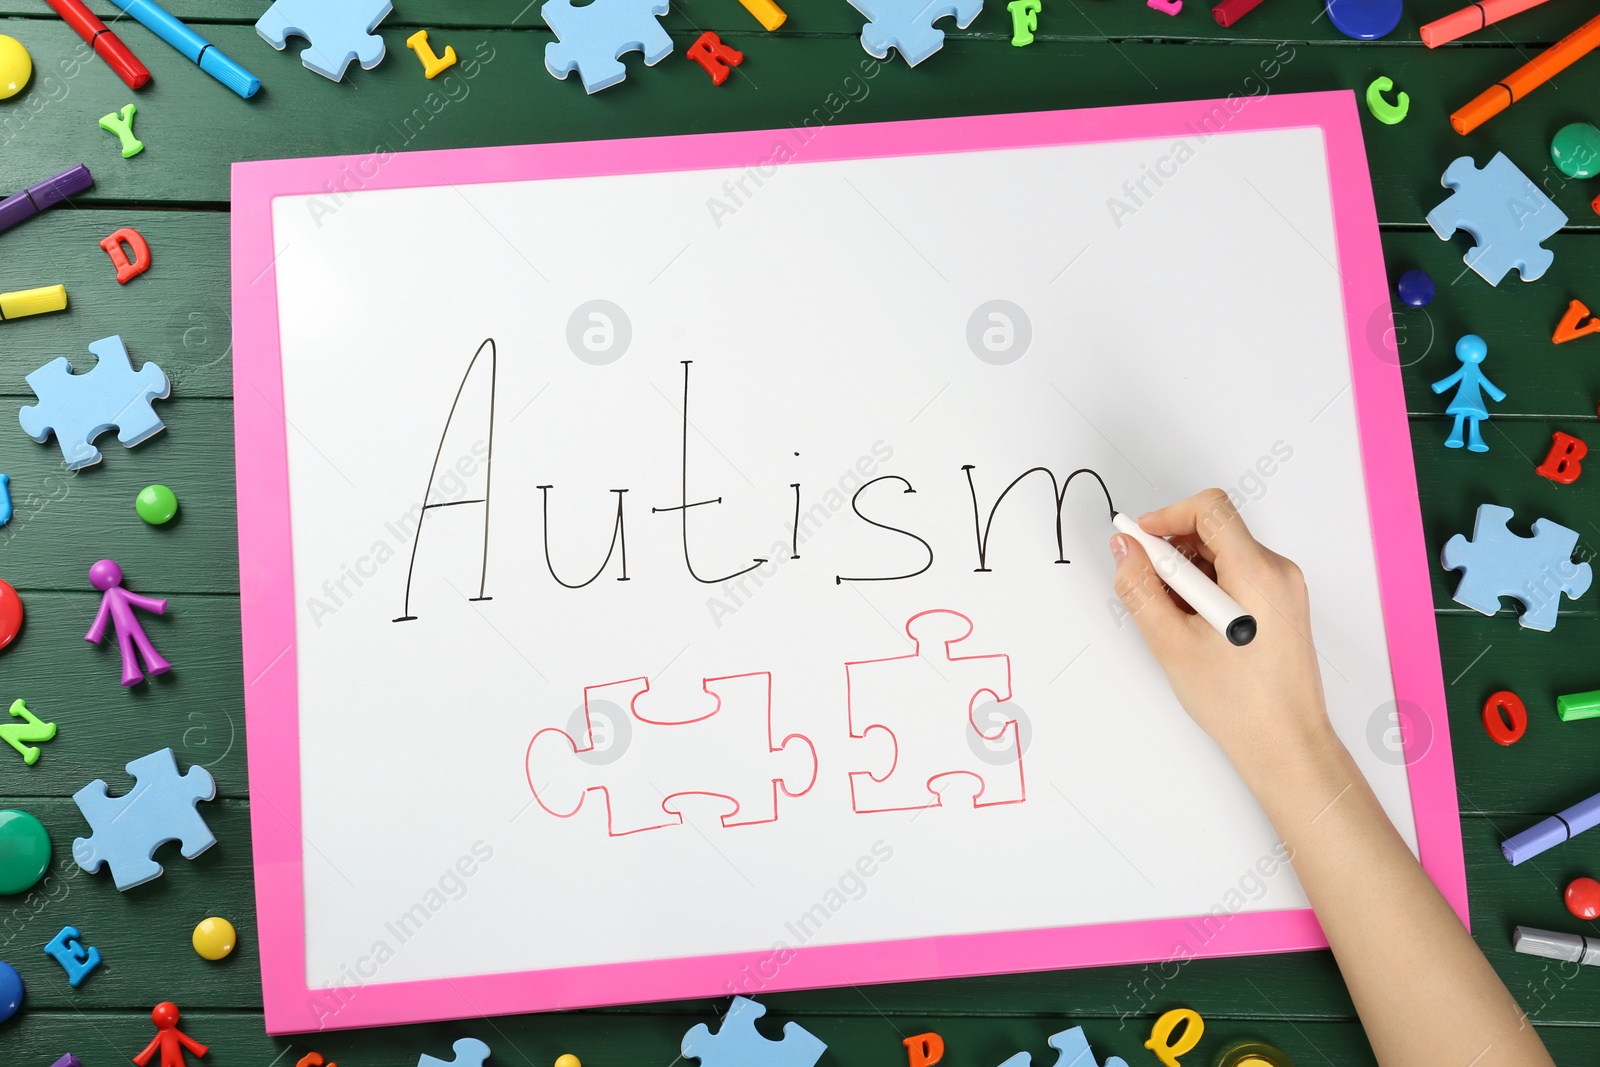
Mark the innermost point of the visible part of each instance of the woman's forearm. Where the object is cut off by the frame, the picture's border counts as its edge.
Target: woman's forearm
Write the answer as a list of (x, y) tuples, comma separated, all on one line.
[(1425, 993)]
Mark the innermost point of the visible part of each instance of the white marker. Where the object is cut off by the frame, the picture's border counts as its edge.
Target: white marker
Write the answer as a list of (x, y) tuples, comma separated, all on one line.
[(1190, 582)]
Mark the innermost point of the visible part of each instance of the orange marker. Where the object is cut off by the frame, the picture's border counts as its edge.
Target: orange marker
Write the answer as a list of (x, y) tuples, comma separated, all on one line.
[(1471, 19), (1525, 79)]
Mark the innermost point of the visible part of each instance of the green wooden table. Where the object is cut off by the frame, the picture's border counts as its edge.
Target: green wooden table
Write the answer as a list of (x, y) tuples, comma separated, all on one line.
[(1088, 53)]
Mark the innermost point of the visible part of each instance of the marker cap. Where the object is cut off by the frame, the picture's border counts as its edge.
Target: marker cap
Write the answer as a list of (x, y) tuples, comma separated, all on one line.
[(1541, 837), (225, 70), (52, 191), (33, 302)]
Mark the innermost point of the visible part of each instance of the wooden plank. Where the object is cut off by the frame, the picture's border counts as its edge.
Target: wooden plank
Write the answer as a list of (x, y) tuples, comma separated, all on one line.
[(1453, 483), (64, 521), (1516, 318), (144, 932), (197, 709), (1271, 22), (864, 1039), (784, 84), (176, 314)]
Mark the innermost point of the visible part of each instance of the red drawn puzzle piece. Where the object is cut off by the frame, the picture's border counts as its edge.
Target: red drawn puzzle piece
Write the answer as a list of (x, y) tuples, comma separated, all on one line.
[(923, 702), (728, 753)]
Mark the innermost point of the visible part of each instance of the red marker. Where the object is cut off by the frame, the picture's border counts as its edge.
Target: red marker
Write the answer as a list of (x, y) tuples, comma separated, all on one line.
[(107, 45)]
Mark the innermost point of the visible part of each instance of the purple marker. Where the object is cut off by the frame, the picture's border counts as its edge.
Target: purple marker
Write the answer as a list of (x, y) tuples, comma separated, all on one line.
[(1552, 831), (69, 1060), (47, 194)]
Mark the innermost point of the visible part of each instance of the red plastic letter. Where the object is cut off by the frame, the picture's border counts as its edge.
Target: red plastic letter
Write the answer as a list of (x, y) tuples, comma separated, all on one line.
[(925, 1050), (716, 57), (1563, 463), (127, 271), (1505, 717)]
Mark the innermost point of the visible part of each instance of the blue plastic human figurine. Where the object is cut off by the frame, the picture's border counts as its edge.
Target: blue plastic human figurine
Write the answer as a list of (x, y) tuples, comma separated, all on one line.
[(117, 607), (1467, 405)]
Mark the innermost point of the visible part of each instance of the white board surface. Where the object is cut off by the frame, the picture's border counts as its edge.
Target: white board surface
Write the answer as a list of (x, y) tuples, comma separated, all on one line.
[(1196, 340)]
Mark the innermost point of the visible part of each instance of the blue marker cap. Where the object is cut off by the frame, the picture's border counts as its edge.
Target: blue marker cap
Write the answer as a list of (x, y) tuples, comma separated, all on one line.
[(217, 64), (1540, 837)]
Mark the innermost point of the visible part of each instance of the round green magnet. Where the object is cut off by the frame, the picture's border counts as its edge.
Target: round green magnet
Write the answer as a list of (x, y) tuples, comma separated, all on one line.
[(156, 504), (24, 852), (1575, 149)]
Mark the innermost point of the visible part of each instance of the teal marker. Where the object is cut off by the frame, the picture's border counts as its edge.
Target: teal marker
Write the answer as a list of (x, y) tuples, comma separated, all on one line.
[(159, 21)]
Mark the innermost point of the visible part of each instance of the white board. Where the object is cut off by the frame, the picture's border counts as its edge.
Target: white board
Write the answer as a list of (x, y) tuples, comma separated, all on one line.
[(835, 325)]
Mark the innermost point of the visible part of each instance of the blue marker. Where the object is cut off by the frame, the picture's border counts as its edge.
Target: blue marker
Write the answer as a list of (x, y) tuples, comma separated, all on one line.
[(5, 499), (166, 26)]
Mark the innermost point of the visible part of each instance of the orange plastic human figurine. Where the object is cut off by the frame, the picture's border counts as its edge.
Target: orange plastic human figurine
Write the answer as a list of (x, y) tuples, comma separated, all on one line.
[(169, 1039)]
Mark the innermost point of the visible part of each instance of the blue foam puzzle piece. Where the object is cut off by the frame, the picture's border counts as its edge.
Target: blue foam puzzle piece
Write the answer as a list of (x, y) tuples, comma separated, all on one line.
[(592, 39), (1365, 20), (339, 31), (1506, 214), (738, 1044), (1534, 570), (1072, 1050), (77, 408), (470, 1052), (159, 808), (67, 950), (907, 25)]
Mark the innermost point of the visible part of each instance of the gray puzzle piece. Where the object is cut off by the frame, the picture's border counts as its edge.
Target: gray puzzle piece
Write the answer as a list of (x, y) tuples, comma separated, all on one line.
[(739, 1044), (907, 25), (1506, 214), (159, 808), (1534, 570), (339, 31), (590, 39), (77, 408), (470, 1052)]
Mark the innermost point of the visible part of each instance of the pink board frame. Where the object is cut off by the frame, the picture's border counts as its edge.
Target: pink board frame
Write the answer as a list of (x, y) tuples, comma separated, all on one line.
[(266, 559)]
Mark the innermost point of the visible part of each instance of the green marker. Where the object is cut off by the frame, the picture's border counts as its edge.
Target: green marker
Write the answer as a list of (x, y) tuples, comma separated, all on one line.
[(1576, 706)]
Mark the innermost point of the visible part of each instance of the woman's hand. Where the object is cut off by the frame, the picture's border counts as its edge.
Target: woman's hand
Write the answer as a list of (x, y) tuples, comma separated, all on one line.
[(1261, 702)]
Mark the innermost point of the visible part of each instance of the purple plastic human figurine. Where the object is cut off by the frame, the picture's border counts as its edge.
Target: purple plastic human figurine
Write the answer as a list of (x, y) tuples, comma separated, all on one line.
[(117, 607), (1467, 405)]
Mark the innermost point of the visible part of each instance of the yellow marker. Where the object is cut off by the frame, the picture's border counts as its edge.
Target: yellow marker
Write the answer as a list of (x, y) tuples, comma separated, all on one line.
[(32, 302), (1161, 1043), (767, 13), (432, 65)]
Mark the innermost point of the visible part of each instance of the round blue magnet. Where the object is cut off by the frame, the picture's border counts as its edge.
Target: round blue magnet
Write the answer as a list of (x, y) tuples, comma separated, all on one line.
[(1416, 288), (1365, 20), (10, 991)]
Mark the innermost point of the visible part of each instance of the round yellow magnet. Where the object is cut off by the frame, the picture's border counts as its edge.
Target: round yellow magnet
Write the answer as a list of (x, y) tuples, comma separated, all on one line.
[(16, 67)]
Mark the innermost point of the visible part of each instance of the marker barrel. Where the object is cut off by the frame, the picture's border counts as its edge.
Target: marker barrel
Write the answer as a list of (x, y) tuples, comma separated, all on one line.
[(1551, 945), (1548, 833), (1190, 582), (1471, 19), (1575, 706)]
